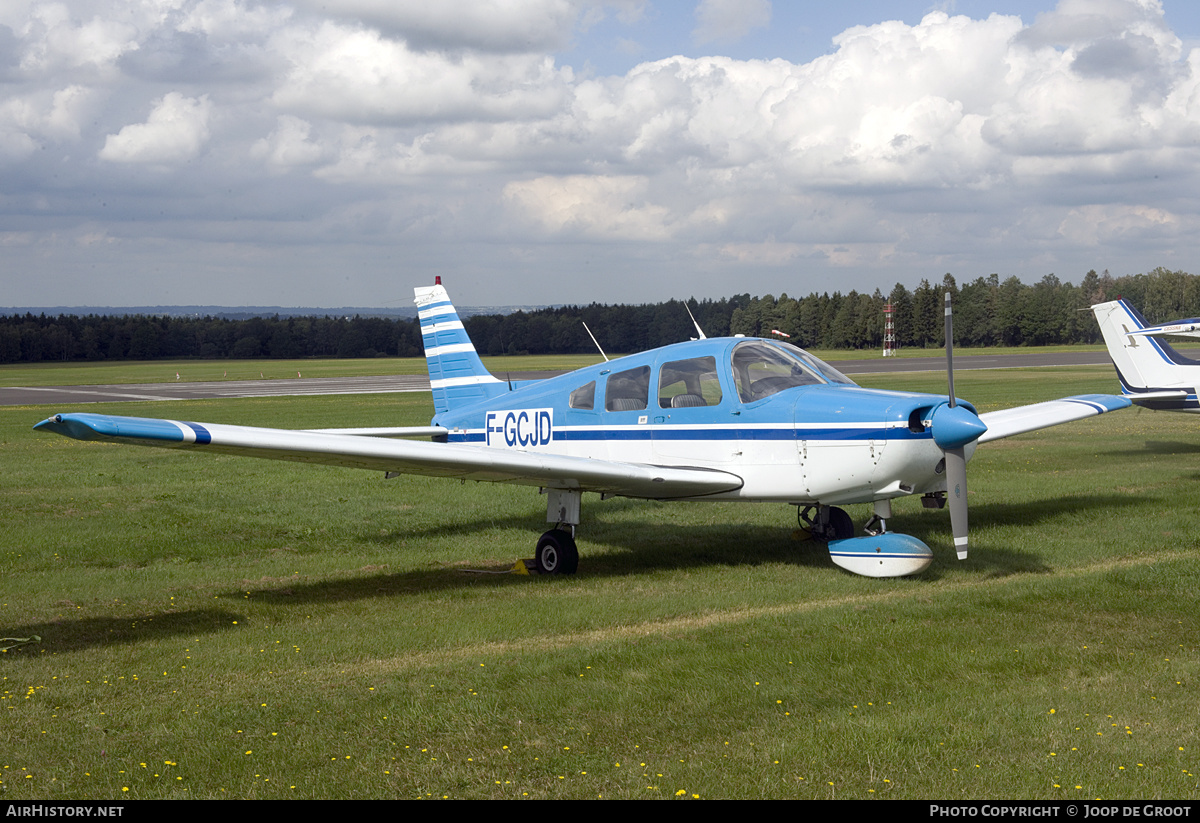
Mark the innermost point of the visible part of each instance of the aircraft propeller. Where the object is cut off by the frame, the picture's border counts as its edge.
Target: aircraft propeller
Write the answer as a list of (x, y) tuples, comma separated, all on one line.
[(953, 428)]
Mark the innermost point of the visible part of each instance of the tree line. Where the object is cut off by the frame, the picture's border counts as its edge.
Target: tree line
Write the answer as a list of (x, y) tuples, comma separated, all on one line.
[(988, 311)]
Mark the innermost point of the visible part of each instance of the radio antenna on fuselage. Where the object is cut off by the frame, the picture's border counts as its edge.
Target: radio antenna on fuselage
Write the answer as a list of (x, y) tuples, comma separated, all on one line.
[(589, 331), (699, 330)]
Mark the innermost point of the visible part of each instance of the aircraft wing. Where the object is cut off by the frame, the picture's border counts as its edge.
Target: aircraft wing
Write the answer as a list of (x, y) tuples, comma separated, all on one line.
[(467, 462), (388, 431), (1024, 419)]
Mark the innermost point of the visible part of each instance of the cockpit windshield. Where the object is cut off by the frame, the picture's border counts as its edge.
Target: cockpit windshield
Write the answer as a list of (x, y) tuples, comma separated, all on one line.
[(761, 369), (827, 371)]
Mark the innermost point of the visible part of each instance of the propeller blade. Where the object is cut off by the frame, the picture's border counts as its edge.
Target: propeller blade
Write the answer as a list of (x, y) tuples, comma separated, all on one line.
[(950, 349), (959, 428), (956, 495)]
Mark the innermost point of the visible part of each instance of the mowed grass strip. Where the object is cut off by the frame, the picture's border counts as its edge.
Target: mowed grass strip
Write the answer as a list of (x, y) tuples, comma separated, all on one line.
[(222, 627)]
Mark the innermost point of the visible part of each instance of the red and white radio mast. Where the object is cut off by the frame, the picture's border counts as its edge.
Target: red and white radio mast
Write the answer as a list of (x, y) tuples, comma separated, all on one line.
[(889, 332)]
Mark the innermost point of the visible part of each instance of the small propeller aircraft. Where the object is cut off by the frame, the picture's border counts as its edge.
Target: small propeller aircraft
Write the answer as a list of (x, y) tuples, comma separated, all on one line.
[(1152, 373), (710, 419)]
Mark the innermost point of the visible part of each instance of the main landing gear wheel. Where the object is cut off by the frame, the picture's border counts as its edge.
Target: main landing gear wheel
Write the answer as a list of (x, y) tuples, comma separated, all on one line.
[(556, 553)]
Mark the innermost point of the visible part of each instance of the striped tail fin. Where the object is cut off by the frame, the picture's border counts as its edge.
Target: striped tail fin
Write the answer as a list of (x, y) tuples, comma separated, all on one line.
[(456, 373), (1152, 373)]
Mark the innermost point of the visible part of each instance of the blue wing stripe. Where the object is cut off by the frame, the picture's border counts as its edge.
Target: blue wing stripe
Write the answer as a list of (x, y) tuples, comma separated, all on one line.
[(1100, 402), (203, 438)]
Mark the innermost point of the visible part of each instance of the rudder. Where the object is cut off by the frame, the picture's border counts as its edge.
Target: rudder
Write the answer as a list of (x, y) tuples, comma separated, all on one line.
[(456, 374), (1144, 364)]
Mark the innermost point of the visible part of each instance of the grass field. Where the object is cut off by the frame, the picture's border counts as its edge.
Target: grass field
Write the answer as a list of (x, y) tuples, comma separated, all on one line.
[(223, 627)]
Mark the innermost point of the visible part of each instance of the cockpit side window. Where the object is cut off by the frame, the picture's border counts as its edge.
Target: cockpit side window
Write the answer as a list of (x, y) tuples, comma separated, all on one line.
[(688, 383), (761, 370), (584, 397), (628, 390)]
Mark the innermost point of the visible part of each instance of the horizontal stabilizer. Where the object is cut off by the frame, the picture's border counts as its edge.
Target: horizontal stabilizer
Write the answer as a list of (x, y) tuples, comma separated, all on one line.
[(1166, 394), (467, 462), (1180, 328), (1024, 419)]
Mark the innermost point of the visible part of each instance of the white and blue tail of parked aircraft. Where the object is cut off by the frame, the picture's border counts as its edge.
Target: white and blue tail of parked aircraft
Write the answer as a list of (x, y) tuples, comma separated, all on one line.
[(1152, 373), (456, 374), (711, 419)]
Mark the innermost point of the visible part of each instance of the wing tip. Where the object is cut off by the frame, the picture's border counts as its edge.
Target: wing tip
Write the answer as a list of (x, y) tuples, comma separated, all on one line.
[(1108, 402)]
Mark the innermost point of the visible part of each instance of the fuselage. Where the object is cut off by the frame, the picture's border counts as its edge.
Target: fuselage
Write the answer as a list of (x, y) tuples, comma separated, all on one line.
[(793, 428)]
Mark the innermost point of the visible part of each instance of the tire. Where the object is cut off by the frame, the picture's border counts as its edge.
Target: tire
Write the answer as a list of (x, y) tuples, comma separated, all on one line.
[(556, 553), (841, 527)]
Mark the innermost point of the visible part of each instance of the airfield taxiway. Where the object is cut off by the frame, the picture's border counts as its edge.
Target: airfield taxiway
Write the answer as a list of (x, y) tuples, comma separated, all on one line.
[(290, 387)]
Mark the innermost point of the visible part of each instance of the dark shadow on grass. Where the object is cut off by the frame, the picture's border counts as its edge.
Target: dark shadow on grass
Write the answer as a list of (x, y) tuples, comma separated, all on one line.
[(658, 548), (1156, 447), (613, 545), (1003, 560), (619, 549), (73, 635)]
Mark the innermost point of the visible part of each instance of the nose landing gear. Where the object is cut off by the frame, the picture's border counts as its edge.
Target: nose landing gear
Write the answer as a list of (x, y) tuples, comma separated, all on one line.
[(828, 523)]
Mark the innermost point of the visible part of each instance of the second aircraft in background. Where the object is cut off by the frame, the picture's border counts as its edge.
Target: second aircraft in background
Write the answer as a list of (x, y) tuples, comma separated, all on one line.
[(1152, 373)]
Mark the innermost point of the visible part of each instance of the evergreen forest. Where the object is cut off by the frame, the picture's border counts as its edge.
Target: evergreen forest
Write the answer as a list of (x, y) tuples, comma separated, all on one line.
[(988, 312)]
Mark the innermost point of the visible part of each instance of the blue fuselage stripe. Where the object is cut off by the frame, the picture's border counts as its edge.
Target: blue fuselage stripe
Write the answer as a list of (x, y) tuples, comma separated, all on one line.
[(711, 435)]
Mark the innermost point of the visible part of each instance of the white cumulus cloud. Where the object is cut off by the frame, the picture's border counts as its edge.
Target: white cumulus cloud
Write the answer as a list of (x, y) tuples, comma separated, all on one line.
[(613, 207), (488, 25), (289, 145), (952, 141), (356, 75), (175, 131)]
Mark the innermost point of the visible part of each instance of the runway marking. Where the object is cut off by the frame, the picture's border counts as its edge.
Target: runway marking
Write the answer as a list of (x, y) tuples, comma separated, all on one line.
[(221, 390), (958, 368), (73, 390)]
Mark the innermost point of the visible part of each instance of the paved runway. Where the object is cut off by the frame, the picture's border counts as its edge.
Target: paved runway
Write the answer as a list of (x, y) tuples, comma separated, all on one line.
[(75, 395), (18, 395), (967, 362)]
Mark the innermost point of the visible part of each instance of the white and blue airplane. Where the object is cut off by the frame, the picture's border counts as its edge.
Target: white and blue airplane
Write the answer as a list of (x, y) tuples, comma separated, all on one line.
[(711, 419), (1152, 373)]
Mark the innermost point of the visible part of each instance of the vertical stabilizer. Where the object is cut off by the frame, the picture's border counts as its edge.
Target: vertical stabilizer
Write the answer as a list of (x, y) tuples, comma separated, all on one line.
[(1144, 364), (456, 373)]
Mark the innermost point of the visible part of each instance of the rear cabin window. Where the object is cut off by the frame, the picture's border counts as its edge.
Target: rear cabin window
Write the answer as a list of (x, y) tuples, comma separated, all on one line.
[(584, 397), (688, 383), (627, 390)]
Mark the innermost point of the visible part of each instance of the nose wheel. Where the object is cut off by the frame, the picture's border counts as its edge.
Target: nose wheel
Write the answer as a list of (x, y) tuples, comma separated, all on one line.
[(829, 523), (556, 553)]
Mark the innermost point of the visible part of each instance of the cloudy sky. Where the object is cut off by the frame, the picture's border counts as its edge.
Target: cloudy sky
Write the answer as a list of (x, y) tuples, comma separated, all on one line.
[(314, 153)]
